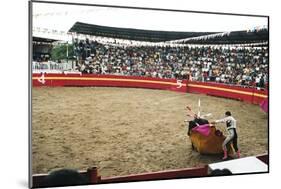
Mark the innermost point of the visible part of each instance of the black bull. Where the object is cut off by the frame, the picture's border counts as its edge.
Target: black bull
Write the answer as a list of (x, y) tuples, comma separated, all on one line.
[(194, 123)]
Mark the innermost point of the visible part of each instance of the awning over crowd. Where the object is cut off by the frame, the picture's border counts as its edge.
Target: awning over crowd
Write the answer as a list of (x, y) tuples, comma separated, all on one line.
[(235, 37), (40, 40), (132, 34), (257, 35)]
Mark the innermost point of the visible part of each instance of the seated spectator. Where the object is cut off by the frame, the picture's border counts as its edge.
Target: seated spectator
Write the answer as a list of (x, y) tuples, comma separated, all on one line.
[(218, 172), (64, 177)]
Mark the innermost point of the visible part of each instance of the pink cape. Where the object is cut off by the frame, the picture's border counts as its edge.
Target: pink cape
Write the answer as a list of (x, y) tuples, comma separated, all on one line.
[(264, 105), (203, 129)]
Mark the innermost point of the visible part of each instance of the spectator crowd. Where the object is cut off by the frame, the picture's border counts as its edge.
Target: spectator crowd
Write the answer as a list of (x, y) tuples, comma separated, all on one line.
[(246, 66)]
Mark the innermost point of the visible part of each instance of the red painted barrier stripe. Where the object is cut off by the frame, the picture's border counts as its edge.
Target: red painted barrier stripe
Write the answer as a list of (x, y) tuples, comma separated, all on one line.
[(168, 174), (227, 90), (108, 79)]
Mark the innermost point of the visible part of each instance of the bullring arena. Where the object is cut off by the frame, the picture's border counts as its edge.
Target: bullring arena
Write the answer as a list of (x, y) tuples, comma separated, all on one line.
[(115, 102), (125, 131)]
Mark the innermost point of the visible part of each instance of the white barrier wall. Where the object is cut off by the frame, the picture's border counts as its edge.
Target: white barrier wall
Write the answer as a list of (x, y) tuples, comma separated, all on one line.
[(51, 67)]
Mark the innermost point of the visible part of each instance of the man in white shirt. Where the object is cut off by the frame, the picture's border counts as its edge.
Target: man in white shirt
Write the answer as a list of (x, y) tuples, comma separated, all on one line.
[(232, 135)]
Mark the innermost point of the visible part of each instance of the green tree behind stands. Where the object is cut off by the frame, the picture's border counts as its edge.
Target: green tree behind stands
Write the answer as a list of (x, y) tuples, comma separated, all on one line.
[(59, 52)]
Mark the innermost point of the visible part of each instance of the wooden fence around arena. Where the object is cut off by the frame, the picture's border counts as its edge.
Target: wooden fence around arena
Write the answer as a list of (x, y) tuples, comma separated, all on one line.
[(92, 80), (94, 177), (250, 95)]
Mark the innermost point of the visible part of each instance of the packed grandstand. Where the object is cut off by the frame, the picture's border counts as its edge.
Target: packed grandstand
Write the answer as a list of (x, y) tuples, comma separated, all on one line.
[(236, 65)]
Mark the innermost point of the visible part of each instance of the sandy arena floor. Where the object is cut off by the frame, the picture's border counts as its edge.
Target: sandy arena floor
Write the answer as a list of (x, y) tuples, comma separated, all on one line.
[(126, 131)]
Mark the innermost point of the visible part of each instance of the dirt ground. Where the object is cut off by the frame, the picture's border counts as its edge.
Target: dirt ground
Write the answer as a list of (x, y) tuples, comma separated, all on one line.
[(126, 131)]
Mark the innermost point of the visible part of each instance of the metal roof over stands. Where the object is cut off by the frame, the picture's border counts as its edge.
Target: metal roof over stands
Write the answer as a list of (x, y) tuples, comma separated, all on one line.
[(235, 37), (43, 40), (132, 34)]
